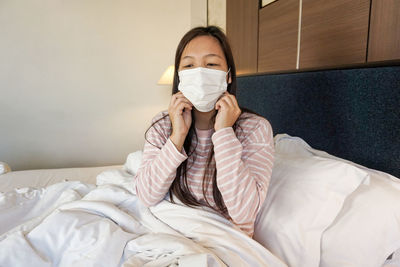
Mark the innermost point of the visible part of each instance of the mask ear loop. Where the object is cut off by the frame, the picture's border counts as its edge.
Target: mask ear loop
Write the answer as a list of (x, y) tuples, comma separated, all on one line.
[(227, 73)]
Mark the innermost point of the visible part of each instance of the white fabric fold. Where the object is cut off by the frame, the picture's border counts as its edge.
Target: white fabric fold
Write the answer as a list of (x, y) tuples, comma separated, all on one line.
[(75, 224)]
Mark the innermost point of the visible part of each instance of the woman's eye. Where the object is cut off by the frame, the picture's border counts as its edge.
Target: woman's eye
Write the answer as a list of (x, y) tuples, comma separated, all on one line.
[(212, 64), (187, 66)]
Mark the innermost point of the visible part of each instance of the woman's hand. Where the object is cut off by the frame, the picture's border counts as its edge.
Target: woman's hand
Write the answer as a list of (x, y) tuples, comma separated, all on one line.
[(228, 111), (179, 112)]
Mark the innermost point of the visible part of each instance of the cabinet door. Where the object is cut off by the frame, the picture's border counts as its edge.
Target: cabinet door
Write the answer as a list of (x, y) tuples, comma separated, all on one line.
[(278, 32), (242, 32), (334, 32), (384, 35)]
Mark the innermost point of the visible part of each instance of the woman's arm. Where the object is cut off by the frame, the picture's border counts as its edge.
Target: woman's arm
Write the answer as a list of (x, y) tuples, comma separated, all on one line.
[(160, 162), (244, 171), (158, 167)]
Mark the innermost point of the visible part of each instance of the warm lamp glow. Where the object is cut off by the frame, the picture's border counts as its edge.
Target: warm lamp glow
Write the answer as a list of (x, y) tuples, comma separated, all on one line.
[(266, 2), (168, 76)]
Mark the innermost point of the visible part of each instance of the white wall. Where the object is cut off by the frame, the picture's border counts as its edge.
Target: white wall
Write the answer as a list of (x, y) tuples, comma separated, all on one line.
[(198, 10), (217, 13), (78, 79)]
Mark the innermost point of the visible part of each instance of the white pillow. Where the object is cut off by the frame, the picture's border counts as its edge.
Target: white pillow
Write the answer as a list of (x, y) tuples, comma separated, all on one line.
[(133, 161), (367, 230), (4, 168), (305, 195)]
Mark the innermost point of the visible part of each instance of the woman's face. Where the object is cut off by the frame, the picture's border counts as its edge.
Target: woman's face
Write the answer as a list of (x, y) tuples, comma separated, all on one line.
[(203, 51)]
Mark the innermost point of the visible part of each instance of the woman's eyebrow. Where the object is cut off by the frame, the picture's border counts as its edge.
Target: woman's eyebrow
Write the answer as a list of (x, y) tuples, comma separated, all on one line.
[(213, 55), (187, 57), (208, 55)]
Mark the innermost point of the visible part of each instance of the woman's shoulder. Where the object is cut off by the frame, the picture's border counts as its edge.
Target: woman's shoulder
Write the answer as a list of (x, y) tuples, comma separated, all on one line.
[(161, 116), (161, 123), (252, 121), (253, 127)]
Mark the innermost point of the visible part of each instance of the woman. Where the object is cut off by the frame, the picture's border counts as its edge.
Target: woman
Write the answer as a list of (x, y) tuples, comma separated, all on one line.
[(206, 150)]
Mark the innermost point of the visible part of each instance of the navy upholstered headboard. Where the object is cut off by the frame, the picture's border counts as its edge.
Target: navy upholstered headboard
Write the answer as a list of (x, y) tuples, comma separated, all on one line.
[(350, 113)]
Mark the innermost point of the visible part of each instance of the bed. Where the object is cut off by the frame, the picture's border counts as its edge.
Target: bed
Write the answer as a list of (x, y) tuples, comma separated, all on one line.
[(332, 200)]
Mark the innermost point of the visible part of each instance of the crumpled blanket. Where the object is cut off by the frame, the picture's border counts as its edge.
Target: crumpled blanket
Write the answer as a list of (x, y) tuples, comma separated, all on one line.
[(77, 224)]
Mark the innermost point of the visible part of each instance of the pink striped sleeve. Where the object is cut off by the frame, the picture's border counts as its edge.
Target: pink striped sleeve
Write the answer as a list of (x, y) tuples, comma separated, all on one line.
[(244, 170), (158, 167)]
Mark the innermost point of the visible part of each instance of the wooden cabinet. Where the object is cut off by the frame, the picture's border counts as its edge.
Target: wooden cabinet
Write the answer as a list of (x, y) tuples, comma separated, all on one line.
[(278, 30), (242, 32), (384, 35), (333, 33)]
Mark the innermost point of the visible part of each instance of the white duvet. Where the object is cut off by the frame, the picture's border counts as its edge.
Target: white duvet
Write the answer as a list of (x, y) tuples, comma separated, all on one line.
[(78, 224)]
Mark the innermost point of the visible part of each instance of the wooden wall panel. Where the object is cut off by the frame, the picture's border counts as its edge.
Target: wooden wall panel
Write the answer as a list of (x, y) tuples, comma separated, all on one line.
[(278, 30), (384, 38), (334, 32), (242, 32)]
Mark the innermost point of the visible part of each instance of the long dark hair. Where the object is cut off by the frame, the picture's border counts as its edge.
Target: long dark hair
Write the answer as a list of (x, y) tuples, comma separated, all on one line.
[(179, 186)]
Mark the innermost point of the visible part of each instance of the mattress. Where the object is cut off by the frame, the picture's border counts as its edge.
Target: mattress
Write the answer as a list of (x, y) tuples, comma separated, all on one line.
[(46, 177)]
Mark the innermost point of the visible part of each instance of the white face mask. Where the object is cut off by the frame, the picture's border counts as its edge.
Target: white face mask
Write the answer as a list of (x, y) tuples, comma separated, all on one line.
[(202, 86)]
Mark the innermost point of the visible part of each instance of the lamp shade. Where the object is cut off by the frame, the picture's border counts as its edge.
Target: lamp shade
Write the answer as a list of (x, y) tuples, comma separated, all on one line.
[(168, 76)]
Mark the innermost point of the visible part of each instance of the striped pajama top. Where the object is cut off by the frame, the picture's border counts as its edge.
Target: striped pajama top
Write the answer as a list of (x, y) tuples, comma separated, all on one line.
[(243, 160)]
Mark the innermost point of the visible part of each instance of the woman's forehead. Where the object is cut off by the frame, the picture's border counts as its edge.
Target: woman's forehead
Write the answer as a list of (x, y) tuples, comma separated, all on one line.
[(203, 46)]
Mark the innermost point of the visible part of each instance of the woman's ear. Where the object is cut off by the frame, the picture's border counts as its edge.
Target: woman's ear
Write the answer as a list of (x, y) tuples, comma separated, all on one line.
[(229, 78)]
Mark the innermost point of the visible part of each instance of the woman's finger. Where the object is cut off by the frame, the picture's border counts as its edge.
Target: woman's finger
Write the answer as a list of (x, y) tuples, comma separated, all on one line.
[(181, 106), (218, 104), (229, 100), (177, 95), (222, 103), (234, 101), (182, 100)]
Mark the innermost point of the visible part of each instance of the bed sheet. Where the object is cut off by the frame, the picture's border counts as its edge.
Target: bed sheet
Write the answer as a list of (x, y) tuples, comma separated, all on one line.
[(394, 260), (46, 177)]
